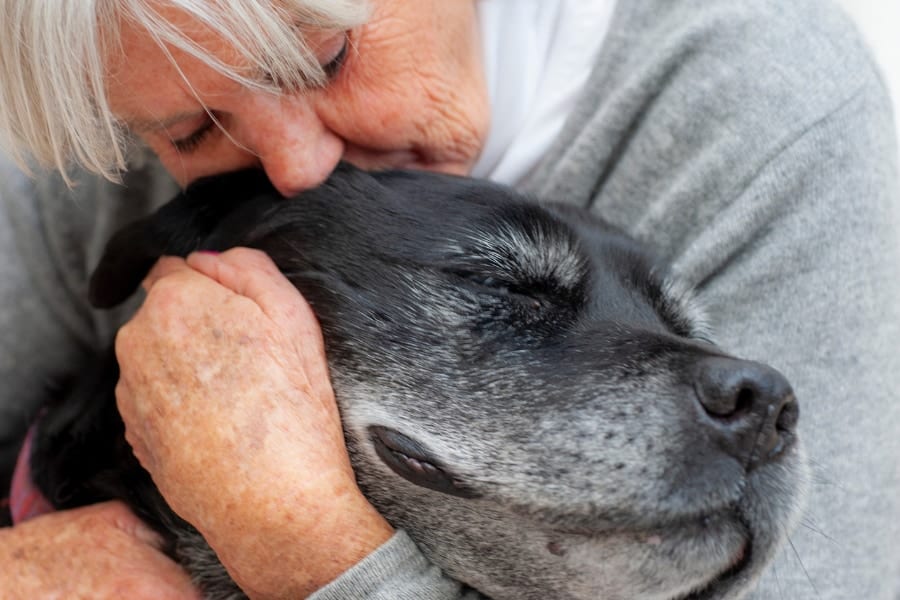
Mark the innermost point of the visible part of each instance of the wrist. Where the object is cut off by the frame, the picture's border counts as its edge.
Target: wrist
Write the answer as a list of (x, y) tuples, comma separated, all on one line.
[(344, 537), (296, 551)]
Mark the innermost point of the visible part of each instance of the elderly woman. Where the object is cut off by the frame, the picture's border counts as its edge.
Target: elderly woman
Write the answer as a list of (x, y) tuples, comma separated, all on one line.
[(749, 143)]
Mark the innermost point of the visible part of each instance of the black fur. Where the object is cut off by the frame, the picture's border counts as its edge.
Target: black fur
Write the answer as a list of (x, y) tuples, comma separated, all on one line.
[(542, 371)]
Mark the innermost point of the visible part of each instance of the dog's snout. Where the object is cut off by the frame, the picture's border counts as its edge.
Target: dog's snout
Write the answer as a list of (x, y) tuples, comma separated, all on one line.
[(750, 407)]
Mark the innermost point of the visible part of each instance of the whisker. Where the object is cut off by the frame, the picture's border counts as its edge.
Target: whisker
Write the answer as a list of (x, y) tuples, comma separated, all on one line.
[(819, 475), (808, 523), (802, 566), (777, 581)]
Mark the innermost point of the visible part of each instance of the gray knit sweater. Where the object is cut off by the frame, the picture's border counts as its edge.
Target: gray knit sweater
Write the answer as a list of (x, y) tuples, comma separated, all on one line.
[(749, 142)]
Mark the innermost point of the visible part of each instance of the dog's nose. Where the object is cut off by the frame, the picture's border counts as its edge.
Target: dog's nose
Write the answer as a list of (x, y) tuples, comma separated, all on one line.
[(749, 406)]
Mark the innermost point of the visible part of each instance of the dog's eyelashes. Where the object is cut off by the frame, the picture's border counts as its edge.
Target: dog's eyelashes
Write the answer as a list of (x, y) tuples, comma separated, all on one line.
[(487, 281), (496, 286), (492, 284), (480, 279)]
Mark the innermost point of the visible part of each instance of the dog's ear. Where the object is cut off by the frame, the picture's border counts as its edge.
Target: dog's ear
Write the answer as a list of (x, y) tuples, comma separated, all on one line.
[(183, 225), (126, 260)]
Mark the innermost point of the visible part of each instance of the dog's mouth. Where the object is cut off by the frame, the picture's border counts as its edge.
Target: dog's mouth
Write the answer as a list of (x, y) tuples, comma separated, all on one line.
[(738, 564), (700, 556)]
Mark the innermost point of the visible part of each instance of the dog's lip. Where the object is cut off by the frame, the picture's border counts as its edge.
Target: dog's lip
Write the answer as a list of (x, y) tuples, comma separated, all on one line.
[(719, 579), (665, 527), (739, 562)]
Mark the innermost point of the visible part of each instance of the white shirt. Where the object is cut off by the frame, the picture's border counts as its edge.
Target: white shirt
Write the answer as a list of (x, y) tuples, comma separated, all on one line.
[(537, 56)]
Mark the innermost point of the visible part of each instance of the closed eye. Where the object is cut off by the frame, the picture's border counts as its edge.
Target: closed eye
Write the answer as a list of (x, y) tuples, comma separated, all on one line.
[(486, 281), (498, 287), (193, 140), (333, 67)]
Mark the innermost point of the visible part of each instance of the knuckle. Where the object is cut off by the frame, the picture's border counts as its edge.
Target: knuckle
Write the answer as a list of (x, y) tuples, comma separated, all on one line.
[(136, 445), (164, 307), (120, 392), (123, 341), (129, 408), (128, 347), (115, 511), (251, 257), (99, 517), (166, 292)]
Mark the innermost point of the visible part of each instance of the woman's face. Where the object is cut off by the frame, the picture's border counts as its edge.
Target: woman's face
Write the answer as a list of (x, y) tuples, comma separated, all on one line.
[(409, 92)]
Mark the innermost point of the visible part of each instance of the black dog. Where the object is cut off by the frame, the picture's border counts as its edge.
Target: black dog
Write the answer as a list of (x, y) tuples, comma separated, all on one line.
[(521, 389)]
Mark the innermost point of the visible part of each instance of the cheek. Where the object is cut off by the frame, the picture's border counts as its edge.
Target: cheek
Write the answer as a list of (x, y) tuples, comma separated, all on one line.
[(376, 101), (375, 118), (409, 90)]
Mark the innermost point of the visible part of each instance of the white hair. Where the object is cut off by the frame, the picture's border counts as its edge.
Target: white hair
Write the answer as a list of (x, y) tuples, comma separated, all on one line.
[(53, 106)]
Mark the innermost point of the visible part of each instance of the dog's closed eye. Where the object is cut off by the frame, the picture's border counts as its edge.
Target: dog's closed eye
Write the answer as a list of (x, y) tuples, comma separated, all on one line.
[(532, 295)]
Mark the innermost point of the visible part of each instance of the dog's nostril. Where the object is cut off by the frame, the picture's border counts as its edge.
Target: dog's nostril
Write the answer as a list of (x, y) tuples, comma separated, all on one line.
[(788, 417), (750, 407), (728, 405), (728, 389), (745, 399)]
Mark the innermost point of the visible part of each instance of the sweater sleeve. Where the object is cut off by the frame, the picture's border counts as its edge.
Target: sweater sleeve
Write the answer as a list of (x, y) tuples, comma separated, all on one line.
[(50, 239), (43, 326), (395, 571)]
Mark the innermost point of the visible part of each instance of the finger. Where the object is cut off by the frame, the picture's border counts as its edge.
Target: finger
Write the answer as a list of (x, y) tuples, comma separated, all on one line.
[(165, 266), (251, 273), (169, 581)]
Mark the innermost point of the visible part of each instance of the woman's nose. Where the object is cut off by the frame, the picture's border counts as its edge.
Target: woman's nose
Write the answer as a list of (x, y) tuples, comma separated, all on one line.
[(292, 144)]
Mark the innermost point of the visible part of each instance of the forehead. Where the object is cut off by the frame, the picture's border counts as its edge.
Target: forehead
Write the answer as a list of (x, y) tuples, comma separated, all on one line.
[(147, 83), (150, 82)]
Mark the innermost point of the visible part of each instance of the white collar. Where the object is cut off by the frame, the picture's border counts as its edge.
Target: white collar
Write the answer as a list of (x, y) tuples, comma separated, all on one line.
[(537, 56)]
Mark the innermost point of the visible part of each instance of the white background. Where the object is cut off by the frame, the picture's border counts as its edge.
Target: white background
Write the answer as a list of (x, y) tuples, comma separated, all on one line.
[(879, 21)]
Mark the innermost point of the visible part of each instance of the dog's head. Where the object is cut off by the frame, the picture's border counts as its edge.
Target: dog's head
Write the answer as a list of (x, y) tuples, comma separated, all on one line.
[(521, 389)]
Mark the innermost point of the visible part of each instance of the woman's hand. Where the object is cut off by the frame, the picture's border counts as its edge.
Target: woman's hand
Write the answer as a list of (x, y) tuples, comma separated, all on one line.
[(97, 552), (225, 394)]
